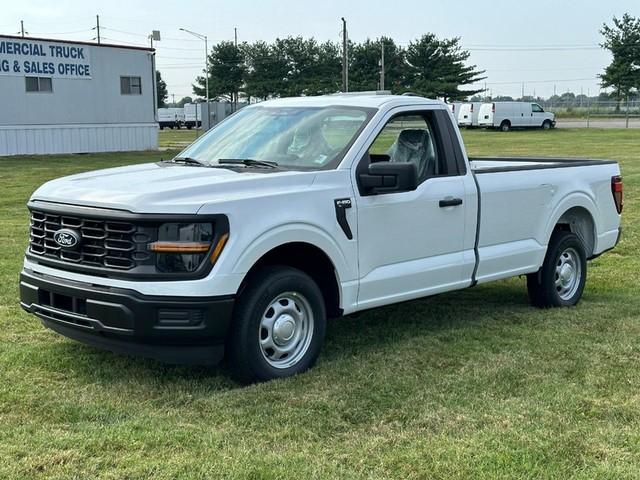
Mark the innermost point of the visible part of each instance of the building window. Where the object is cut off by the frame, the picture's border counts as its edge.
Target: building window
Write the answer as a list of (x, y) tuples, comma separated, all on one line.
[(39, 84), (130, 86)]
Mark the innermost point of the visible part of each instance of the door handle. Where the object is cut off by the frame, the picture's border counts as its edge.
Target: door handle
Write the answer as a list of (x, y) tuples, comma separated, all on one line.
[(450, 202)]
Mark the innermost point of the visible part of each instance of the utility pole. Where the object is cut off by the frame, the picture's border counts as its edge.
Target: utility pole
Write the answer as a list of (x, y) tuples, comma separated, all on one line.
[(382, 69), (98, 28), (345, 58), (206, 60), (22, 28), (234, 97)]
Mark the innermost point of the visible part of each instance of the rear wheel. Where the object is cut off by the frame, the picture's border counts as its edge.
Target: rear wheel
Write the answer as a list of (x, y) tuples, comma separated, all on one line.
[(560, 281), (505, 126), (278, 326)]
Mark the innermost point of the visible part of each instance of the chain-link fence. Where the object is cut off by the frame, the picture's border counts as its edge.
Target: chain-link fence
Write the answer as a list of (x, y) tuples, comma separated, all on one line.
[(596, 110)]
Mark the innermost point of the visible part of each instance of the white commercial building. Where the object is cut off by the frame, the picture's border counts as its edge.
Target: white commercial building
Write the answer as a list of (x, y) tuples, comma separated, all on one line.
[(69, 97)]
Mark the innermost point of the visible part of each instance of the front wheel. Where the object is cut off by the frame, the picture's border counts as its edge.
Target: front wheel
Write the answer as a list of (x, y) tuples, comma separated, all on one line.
[(546, 125), (278, 326), (560, 281)]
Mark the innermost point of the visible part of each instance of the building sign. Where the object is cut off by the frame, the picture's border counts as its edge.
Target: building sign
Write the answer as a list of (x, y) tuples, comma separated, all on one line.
[(37, 58)]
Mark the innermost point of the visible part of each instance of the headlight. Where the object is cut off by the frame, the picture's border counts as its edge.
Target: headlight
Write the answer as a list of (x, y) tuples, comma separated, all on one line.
[(182, 247)]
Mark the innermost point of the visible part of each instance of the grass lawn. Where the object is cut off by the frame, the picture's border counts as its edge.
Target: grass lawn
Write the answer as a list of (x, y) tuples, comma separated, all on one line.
[(474, 384)]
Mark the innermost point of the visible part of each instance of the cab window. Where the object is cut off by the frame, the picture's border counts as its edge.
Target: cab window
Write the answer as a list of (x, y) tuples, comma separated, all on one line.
[(410, 138)]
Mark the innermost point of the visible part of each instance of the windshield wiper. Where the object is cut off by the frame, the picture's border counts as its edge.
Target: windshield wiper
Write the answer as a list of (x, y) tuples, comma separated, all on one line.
[(249, 162), (188, 161)]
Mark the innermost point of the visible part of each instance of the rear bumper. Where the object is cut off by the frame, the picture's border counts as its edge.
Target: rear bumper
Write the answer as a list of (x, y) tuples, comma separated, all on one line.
[(169, 329)]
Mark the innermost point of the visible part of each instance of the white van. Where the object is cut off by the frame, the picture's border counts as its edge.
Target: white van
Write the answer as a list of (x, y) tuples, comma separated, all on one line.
[(454, 108), (508, 115), (192, 115), (170, 117), (468, 114)]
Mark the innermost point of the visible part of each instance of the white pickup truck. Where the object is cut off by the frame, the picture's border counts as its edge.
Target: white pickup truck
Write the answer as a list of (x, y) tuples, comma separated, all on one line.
[(297, 210)]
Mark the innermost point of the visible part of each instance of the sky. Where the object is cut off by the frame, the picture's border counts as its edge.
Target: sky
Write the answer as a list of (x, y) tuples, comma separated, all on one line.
[(540, 47)]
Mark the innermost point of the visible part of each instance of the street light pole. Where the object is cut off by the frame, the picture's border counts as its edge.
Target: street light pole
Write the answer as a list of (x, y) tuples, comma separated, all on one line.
[(206, 60)]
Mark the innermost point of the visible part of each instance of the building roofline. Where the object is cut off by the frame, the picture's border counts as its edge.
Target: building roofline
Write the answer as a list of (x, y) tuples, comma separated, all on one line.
[(90, 44)]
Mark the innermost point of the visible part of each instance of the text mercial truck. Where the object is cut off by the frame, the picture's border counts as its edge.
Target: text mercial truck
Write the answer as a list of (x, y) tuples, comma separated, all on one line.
[(297, 210), (508, 115)]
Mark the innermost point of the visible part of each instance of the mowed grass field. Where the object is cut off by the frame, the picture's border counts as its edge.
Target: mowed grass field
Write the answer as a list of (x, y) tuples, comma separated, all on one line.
[(474, 384)]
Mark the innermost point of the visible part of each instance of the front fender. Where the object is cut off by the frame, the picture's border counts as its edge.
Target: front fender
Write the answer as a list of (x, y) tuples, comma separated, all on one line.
[(298, 233)]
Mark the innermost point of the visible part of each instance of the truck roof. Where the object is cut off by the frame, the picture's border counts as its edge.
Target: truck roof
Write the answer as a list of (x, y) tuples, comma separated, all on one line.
[(359, 99)]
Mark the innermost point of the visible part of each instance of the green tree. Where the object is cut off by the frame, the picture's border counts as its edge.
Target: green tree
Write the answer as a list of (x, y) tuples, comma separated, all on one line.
[(502, 98), (184, 100), (437, 68), (365, 65), (623, 41), (226, 73), (290, 67), (311, 69), (325, 75), (161, 90), (266, 70)]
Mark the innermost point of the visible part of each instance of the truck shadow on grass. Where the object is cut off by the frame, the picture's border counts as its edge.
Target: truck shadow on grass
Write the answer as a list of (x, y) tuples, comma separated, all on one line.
[(445, 318)]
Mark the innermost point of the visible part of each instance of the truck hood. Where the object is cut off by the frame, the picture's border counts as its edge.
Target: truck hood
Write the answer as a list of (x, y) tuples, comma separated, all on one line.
[(168, 188)]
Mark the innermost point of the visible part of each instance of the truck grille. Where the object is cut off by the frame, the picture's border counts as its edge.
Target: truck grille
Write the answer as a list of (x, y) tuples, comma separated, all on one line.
[(103, 244)]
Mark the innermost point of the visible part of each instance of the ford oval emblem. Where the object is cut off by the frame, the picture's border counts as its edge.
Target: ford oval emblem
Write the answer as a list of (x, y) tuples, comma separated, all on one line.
[(67, 238)]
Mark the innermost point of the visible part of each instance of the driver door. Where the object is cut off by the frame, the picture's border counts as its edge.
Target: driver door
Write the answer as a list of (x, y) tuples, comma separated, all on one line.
[(415, 243)]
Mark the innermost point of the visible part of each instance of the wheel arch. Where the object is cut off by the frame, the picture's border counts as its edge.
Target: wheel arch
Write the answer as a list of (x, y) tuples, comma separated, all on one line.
[(311, 260), (505, 123), (580, 221)]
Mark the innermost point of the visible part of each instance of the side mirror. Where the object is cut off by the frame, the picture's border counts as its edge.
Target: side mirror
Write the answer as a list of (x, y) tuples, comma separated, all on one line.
[(385, 177)]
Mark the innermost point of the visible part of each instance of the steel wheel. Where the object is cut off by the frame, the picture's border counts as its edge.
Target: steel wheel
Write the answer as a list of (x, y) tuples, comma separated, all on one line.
[(286, 330), (568, 274), (277, 327), (560, 281)]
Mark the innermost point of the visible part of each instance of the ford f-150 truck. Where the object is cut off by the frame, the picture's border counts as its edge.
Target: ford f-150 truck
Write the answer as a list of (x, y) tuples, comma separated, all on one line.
[(297, 210)]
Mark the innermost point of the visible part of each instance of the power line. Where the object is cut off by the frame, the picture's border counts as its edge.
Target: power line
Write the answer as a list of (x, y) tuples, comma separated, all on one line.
[(61, 33), (536, 81)]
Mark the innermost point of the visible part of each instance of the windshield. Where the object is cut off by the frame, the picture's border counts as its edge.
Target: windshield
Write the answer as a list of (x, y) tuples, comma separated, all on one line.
[(292, 137)]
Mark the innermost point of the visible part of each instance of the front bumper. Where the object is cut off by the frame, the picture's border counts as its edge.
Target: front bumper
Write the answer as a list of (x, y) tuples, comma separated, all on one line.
[(170, 329)]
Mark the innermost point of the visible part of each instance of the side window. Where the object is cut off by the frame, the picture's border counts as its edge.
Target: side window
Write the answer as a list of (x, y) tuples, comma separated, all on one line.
[(39, 84), (130, 86), (410, 138), (536, 108)]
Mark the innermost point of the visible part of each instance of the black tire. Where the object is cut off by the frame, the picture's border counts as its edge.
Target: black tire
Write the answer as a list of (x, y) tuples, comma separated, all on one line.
[(278, 326), (560, 281), (505, 126), (546, 125)]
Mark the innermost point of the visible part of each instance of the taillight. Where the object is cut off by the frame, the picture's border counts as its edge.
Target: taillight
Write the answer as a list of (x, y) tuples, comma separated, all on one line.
[(616, 191), (493, 108), (472, 108)]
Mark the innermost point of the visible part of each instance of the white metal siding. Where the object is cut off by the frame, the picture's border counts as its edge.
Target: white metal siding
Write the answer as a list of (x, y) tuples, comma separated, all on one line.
[(55, 139)]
